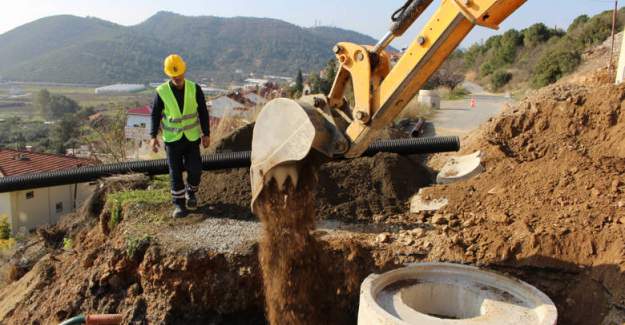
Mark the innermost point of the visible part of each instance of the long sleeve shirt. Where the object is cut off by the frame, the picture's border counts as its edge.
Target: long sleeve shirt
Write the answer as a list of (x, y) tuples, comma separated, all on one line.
[(158, 106)]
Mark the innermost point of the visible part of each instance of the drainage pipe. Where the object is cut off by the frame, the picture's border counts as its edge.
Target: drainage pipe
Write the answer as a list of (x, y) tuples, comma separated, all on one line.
[(223, 160)]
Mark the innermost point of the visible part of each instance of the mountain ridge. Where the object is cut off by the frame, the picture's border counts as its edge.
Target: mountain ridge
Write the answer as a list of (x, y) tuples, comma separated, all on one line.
[(66, 48)]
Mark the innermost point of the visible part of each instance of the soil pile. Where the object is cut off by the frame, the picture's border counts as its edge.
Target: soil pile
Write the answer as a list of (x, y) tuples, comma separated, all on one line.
[(351, 190), (552, 198)]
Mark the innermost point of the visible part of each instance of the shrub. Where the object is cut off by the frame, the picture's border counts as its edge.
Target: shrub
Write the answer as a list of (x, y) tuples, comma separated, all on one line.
[(553, 65), (580, 20), (535, 34), (135, 245), (500, 78), (486, 69), (5, 228)]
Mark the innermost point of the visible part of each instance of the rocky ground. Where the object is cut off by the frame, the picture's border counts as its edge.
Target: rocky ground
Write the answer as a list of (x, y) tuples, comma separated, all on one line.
[(549, 209)]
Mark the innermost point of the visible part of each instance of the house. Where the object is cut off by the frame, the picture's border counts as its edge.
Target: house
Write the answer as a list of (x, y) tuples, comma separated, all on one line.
[(255, 99), (139, 123), (29, 209), (224, 106)]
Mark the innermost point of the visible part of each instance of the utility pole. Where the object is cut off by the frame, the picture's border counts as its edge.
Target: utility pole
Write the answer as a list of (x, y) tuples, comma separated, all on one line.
[(613, 35)]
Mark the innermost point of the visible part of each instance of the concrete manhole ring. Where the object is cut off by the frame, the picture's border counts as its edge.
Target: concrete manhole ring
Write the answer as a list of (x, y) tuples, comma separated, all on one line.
[(461, 168), (442, 293)]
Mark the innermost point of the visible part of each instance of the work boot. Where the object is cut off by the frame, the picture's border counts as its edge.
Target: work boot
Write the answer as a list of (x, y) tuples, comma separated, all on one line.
[(191, 201), (179, 211)]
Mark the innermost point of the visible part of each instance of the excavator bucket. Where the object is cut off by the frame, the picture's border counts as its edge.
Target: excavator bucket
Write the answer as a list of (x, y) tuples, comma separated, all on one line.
[(285, 133)]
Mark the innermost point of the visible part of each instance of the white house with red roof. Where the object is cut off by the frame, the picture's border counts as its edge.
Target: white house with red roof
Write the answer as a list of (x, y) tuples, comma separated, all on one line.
[(139, 123), (29, 209)]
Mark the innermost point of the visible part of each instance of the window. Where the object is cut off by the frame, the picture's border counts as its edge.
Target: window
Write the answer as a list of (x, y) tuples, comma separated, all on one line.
[(59, 207), (30, 195)]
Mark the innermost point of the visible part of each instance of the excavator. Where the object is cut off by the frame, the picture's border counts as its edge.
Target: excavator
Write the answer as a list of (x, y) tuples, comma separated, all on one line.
[(288, 131)]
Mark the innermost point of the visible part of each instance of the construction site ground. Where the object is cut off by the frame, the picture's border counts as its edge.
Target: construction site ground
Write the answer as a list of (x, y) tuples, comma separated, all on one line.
[(549, 209)]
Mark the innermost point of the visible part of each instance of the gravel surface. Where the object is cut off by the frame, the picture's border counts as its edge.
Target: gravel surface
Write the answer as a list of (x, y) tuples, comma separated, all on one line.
[(220, 235)]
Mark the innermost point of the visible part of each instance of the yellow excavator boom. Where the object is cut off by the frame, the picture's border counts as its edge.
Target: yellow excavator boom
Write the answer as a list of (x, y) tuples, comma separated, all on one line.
[(287, 130)]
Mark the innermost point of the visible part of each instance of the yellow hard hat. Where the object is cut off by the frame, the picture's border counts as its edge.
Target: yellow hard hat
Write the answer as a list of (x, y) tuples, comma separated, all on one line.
[(174, 66)]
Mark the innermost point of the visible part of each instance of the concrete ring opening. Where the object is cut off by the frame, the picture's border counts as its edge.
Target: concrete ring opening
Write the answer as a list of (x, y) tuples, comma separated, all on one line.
[(442, 293)]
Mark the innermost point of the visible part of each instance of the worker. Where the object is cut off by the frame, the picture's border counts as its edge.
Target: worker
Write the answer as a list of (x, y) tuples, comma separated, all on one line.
[(181, 108)]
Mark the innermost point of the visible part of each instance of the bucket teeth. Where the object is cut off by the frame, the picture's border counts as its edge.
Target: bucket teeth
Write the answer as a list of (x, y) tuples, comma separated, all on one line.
[(281, 173)]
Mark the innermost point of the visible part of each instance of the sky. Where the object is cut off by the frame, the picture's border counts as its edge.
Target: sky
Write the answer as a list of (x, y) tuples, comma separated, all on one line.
[(371, 17)]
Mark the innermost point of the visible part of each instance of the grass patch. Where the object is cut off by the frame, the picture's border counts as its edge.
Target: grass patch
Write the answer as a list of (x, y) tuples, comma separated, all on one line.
[(453, 94), (68, 244), (7, 244), (116, 202), (458, 93), (160, 182), (5, 228), (136, 244)]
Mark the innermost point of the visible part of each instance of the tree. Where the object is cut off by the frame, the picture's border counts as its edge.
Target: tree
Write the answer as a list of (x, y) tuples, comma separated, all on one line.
[(554, 64), (299, 81), (500, 78), (61, 105), (65, 133), (54, 106), (322, 82), (328, 79), (109, 137), (538, 34), (579, 21), (42, 102)]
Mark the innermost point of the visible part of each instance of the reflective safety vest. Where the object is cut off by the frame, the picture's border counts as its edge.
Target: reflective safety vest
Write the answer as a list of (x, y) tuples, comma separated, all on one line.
[(177, 122)]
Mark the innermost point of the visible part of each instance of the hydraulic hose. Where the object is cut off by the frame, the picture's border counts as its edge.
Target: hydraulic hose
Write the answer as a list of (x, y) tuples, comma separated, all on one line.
[(77, 320), (217, 161), (105, 319)]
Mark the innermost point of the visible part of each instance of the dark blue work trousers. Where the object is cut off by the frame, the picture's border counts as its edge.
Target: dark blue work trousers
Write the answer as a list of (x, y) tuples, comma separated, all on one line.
[(184, 155)]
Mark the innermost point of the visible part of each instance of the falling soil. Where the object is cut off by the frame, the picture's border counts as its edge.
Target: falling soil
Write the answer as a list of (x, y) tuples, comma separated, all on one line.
[(287, 252)]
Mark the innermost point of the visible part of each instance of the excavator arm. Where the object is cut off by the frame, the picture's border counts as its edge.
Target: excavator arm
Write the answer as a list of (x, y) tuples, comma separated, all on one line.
[(287, 130)]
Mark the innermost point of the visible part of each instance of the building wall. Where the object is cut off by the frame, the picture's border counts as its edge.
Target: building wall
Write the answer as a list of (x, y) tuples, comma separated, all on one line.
[(31, 209), (84, 191), (61, 202), (5, 205), (45, 206), (136, 120)]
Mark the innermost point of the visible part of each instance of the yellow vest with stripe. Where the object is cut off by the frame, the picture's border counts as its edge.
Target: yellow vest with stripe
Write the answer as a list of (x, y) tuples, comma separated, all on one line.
[(176, 122)]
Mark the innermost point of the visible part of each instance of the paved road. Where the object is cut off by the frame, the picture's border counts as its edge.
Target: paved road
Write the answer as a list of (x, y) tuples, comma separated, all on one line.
[(456, 117)]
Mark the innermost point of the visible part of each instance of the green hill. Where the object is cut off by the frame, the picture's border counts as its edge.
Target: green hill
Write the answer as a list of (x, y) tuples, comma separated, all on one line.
[(90, 50), (538, 55)]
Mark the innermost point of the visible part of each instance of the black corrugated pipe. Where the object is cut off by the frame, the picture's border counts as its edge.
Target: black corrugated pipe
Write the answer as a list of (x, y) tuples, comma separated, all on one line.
[(223, 160)]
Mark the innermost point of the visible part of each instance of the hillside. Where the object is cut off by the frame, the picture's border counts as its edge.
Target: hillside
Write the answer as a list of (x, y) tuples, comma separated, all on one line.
[(90, 50), (537, 55)]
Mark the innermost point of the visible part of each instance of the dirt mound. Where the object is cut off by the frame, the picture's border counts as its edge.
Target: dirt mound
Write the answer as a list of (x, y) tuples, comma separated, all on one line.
[(352, 190), (552, 198)]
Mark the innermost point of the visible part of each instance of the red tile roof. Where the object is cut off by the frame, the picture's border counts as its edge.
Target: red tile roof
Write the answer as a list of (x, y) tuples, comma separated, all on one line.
[(34, 162), (142, 111)]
